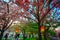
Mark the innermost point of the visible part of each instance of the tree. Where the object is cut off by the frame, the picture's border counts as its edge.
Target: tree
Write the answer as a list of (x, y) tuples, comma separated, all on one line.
[(26, 28), (32, 27), (38, 10), (7, 18)]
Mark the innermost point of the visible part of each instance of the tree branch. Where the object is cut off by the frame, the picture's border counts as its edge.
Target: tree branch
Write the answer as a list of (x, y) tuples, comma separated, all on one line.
[(9, 25), (47, 12), (30, 18)]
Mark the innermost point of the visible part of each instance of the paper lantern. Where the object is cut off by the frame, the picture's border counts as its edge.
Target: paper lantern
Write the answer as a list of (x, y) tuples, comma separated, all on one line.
[(17, 30), (42, 28)]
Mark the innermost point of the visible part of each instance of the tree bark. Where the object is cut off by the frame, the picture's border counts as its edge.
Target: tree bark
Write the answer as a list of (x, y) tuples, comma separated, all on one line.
[(32, 35), (1, 35), (45, 35), (24, 37), (39, 32)]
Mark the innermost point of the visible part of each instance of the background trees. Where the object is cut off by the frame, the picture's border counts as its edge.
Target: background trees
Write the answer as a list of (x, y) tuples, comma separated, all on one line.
[(29, 29), (7, 18), (35, 10), (38, 10)]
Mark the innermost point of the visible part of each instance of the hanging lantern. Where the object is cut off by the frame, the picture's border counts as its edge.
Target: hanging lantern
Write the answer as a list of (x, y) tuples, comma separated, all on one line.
[(17, 30), (42, 28), (28, 32)]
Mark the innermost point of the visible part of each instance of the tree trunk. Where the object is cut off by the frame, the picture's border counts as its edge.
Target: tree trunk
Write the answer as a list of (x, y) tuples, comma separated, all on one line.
[(32, 35), (24, 36), (1, 35), (45, 35), (39, 32)]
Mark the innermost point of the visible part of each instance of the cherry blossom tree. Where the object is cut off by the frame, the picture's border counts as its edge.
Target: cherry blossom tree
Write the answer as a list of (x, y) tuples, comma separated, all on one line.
[(36, 10), (7, 18)]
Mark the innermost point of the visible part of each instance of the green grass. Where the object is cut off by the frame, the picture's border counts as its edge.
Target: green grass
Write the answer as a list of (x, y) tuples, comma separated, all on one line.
[(31, 39), (28, 39)]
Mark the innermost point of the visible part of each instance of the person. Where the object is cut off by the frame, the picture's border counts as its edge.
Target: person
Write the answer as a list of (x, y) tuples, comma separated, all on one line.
[(59, 35), (17, 36), (6, 36)]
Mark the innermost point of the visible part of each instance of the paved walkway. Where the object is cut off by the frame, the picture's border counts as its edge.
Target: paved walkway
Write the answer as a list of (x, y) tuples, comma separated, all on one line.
[(54, 38)]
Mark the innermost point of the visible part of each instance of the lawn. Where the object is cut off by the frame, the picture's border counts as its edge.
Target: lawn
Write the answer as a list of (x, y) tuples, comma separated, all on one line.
[(31, 39)]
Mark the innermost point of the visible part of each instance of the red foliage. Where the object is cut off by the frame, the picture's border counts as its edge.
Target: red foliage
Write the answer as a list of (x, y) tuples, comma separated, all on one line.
[(21, 2), (26, 7)]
